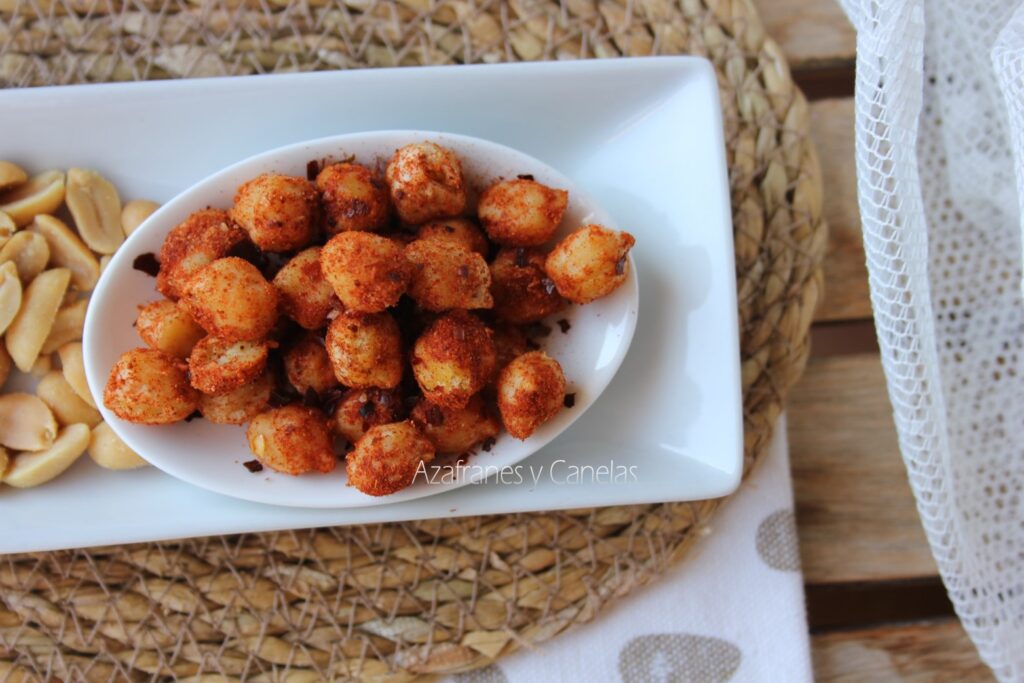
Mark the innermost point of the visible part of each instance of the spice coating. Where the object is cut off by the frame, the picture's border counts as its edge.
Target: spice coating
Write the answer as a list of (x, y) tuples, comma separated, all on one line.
[(353, 198), (150, 387), (278, 212), (202, 238), (386, 459)]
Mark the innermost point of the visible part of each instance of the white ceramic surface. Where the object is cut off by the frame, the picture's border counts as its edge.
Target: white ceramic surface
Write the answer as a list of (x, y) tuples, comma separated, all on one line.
[(642, 136), (211, 456)]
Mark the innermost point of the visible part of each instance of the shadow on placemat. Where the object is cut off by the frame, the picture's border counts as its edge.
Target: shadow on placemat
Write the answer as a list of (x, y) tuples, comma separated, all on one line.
[(386, 602)]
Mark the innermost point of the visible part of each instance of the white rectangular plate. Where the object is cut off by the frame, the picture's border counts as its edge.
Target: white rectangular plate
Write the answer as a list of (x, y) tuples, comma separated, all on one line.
[(643, 136)]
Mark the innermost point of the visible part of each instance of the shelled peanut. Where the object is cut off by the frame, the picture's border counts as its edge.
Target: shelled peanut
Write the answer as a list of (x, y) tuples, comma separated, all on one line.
[(57, 230)]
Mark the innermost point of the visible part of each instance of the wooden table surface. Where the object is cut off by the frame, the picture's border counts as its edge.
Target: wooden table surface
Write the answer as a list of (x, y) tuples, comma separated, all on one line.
[(876, 606)]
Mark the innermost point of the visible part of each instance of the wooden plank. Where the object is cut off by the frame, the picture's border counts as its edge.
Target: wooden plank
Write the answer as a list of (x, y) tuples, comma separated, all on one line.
[(843, 338), (930, 651), (857, 605), (810, 32), (846, 279), (856, 517)]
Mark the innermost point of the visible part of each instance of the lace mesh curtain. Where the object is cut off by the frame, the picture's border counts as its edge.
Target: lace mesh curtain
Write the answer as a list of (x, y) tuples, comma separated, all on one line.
[(940, 163)]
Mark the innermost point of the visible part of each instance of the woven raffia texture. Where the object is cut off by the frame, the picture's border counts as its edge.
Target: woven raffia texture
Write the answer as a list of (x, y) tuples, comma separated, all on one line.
[(392, 601)]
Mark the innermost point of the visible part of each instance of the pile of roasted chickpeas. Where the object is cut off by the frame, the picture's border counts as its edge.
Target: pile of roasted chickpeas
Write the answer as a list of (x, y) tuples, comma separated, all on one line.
[(365, 317)]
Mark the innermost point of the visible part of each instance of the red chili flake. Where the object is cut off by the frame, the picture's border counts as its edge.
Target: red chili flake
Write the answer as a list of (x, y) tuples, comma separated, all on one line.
[(488, 444), (569, 401), (549, 285), (564, 325), (525, 176), (147, 263), (521, 257), (620, 266), (253, 466), (463, 271), (434, 416)]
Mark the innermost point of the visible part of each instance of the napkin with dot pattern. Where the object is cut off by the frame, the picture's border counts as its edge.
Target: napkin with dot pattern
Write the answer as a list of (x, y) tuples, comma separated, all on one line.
[(731, 610)]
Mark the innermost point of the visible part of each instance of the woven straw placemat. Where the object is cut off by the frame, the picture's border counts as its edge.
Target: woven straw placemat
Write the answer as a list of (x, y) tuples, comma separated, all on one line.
[(388, 602)]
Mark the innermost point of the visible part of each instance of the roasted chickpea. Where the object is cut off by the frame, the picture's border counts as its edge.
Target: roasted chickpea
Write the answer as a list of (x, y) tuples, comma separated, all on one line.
[(368, 272), (365, 350), (292, 439), (167, 326), (453, 359), (231, 299), (279, 212), (150, 387), (523, 293), (531, 390), (461, 230), (304, 293), (456, 430), (218, 366), (360, 409), (590, 263), (307, 366), (426, 182), (521, 212), (353, 198), (240, 405), (510, 342), (202, 238), (446, 275), (387, 458)]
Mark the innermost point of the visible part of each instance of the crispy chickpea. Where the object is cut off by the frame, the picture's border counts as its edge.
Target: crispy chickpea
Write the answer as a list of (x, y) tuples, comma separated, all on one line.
[(453, 359), (590, 263), (218, 366), (365, 350), (387, 458), (230, 298), (531, 390), (304, 293), (202, 238), (446, 275), (455, 430), (165, 325), (360, 409), (510, 342), (426, 182), (521, 212), (368, 272), (292, 439), (353, 198), (307, 366), (240, 405), (461, 230), (279, 212), (522, 291), (150, 387)]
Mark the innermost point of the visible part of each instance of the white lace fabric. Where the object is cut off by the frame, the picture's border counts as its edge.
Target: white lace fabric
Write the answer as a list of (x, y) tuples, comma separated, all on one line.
[(940, 165)]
